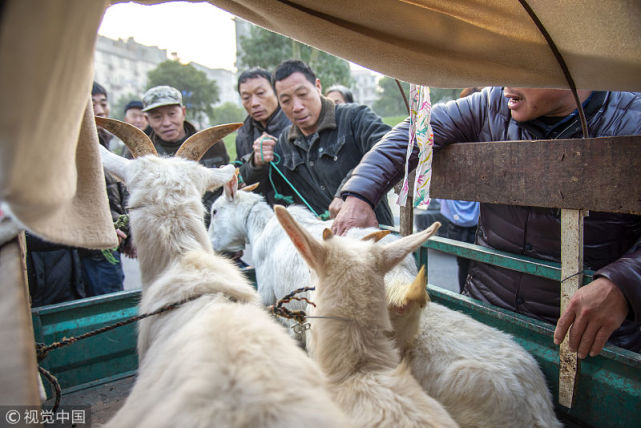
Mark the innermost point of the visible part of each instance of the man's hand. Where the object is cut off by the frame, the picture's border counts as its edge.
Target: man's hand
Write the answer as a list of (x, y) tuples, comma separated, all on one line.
[(354, 213), (268, 142), (594, 312), (335, 207)]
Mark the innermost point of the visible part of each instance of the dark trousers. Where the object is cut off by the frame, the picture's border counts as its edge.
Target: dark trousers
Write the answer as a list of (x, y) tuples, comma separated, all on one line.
[(101, 276)]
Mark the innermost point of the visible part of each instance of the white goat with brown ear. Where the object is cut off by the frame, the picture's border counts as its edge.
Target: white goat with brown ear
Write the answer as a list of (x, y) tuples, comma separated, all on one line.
[(240, 217), (479, 374), (351, 327), (218, 359)]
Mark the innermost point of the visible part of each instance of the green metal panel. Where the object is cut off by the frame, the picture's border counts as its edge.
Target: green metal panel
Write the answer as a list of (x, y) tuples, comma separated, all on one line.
[(609, 391), (609, 387), (97, 359)]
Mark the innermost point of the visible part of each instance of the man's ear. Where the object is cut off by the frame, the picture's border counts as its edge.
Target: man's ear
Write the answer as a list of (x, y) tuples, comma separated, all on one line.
[(184, 109), (319, 86)]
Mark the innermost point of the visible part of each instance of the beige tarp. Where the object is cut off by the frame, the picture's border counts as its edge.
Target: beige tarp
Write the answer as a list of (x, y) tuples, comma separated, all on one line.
[(46, 52)]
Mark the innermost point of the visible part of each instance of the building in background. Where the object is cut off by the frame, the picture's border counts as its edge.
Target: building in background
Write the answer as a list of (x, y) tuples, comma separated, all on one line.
[(365, 86), (121, 66), (226, 80)]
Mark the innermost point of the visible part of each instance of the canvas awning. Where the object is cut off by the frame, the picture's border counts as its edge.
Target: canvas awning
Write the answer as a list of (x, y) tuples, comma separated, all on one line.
[(46, 49)]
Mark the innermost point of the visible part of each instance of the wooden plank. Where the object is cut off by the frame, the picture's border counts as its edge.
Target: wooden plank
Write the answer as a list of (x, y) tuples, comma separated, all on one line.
[(600, 174), (18, 370), (406, 221), (571, 268)]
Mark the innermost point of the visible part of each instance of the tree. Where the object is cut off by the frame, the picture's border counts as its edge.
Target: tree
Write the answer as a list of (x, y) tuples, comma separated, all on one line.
[(228, 113), (390, 102), (199, 93), (266, 49)]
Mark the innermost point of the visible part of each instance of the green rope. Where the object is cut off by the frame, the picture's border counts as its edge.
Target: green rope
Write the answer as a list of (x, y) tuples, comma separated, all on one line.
[(240, 177), (288, 199)]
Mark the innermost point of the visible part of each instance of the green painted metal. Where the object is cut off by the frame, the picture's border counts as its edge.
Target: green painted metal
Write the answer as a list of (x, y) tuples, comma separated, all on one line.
[(609, 387), (100, 359), (107, 356), (609, 392), (549, 270)]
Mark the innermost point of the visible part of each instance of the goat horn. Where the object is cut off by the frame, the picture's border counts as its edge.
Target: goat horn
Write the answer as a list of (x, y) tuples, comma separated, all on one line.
[(376, 236), (136, 141), (250, 188), (195, 146)]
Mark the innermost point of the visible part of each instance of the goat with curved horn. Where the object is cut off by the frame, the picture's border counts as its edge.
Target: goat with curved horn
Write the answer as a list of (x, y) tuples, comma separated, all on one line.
[(197, 145), (137, 141)]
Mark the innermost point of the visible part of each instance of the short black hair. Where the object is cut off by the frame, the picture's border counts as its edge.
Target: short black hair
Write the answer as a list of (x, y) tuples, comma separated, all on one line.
[(98, 89), (253, 73), (133, 104), (345, 92), (289, 67)]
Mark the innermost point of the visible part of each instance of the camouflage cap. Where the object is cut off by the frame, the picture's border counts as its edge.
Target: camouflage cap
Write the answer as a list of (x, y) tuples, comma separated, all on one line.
[(159, 96)]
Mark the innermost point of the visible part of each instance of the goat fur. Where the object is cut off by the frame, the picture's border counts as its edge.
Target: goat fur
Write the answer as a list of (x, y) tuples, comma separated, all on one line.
[(431, 338), (240, 218), (219, 360), (350, 339), (479, 374)]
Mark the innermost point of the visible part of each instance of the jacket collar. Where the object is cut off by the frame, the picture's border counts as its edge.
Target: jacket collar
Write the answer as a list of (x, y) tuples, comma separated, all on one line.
[(273, 120), (326, 120), (568, 126)]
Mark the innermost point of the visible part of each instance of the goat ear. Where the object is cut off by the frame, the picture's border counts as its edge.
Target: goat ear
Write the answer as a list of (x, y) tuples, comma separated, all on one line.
[(250, 188), (395, 251), (327, 234), (217, 177), (116, 165), (416, 292), (230, 188), (312, 250), (376, 236)]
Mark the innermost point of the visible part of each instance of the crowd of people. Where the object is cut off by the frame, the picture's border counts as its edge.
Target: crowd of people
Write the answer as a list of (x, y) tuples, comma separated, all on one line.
[(339, 158)]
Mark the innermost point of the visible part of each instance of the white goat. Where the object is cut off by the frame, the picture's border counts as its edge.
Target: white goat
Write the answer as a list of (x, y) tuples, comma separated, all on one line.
[(351, 327), (430, 338), (220, 359), (244, 217), (480, 375)]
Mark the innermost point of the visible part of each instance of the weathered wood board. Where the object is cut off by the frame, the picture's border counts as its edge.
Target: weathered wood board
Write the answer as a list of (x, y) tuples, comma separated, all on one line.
[(599, 174)]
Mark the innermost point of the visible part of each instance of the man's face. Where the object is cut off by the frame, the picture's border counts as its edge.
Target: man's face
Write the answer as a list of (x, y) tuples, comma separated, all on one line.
[(336, 97), (301, 101), (529, 103), (136, 117), (100, 105), (258, 98), (168, 122)]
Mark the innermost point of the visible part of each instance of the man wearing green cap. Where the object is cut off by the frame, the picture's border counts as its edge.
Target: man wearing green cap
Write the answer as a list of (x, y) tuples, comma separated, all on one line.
[(168, 129)]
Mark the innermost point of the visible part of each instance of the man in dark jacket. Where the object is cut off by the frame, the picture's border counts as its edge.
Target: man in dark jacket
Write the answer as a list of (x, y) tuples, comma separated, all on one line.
[(609, 308), (325, 141), (168, 129), (265, 119), (103, 269)]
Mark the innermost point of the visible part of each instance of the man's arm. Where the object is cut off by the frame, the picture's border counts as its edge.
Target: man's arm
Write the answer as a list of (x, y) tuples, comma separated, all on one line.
[(456, 121), (377, 172)]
